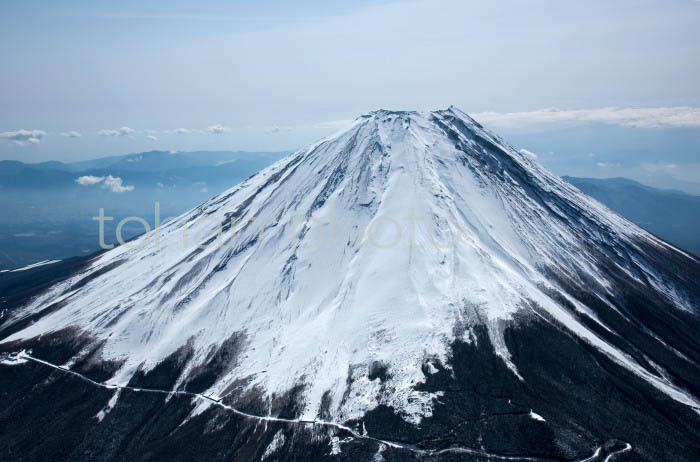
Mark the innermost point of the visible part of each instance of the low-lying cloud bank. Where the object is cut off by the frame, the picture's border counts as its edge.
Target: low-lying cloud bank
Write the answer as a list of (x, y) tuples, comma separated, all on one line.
[(218, 129), (660, 117), (123, 131), (643, 118)]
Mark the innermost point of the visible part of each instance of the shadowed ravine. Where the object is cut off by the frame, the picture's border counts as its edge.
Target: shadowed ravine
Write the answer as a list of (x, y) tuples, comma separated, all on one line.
[(605, 453)]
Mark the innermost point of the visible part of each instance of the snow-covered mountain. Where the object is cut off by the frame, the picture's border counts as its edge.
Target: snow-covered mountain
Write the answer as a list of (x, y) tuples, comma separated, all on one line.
[(349, 283)]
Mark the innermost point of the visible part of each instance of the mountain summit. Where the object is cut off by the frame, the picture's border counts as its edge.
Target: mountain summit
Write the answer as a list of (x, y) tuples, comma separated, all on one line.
[(415, 282)]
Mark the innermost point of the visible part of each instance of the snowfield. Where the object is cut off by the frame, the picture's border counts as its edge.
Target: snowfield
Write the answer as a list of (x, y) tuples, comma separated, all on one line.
[(374, 248)]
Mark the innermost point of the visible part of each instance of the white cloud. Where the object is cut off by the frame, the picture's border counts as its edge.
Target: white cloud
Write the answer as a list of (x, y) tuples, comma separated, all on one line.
[(123, 131), (113, 183), (659, 166), (148, 131), (24, 137), (152, 138), (276, 129), (612, 165), (89, 180), (218, 129), (182, 131), (659, 117), (71, 134)]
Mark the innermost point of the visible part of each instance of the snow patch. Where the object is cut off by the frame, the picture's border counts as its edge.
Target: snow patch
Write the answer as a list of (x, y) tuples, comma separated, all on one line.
[(378, 456), (110, 405), (13, 359), (335, 446), (276, 443)]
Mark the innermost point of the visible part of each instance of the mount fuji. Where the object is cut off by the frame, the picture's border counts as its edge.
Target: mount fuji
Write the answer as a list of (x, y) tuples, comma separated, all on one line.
[(412, 287)]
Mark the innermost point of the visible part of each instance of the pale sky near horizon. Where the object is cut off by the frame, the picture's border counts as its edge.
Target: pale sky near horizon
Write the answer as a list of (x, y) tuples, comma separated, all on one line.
[(88, 79)]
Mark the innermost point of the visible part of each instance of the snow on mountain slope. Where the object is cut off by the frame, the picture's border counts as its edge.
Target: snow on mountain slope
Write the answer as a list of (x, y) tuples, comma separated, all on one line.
[(373, 248)]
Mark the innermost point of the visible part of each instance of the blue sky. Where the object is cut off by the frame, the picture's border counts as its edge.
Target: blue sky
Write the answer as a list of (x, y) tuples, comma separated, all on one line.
[(88, 79)]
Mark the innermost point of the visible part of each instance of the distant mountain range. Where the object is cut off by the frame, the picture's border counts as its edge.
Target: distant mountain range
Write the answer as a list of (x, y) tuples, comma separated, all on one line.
[(671, 215), (46, 214), (46, 209), (154, 169)]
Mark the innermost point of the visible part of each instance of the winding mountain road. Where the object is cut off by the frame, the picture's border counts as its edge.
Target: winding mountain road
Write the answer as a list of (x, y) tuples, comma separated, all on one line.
[(601, 454)]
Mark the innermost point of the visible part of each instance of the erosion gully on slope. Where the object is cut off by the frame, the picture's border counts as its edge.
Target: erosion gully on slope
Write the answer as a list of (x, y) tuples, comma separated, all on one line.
[(600, 453)]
